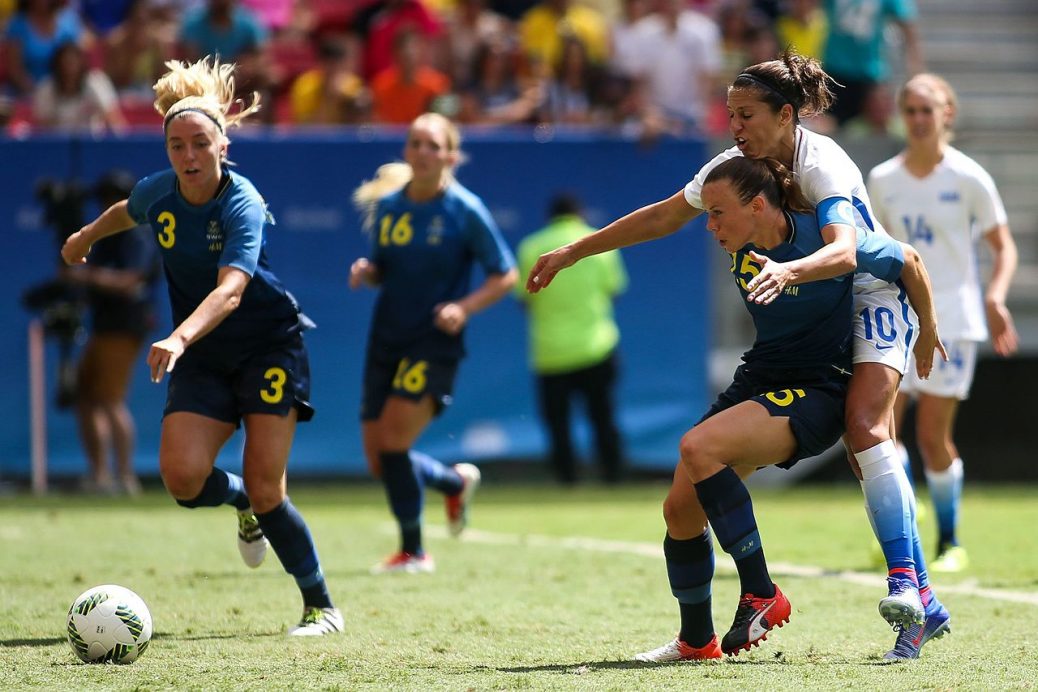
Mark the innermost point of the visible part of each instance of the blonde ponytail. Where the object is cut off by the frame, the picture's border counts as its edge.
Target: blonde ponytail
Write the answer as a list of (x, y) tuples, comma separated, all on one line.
[(205, 86), (389, 178)]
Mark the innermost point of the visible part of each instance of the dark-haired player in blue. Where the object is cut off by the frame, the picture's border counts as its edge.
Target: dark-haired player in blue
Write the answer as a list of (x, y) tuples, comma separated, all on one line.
[(427, 233), (786, 402), (236, 354)]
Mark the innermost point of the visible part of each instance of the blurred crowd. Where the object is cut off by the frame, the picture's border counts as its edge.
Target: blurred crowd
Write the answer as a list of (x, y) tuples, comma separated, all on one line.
[(646, 67)]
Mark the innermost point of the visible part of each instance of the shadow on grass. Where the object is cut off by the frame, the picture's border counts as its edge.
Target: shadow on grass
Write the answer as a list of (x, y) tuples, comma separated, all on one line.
[(588, 666), (51, 641)]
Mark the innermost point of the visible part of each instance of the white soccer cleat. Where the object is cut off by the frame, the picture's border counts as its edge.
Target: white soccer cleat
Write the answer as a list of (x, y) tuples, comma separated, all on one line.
[(458, 505), (252, 544), (405, 563), (318, 622), (678, 650), (902, 606)]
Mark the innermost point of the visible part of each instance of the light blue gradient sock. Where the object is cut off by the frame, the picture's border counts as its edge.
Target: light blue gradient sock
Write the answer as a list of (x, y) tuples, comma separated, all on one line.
[(887, 504), (946, 491)]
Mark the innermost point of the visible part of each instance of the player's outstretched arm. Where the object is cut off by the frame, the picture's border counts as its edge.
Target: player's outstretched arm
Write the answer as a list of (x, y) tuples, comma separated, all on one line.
[(647, 223), (836, 258), (114, 219)]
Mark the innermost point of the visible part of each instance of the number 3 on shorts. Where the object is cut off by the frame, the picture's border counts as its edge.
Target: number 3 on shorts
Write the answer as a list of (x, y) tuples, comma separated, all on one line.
[(276, 391)]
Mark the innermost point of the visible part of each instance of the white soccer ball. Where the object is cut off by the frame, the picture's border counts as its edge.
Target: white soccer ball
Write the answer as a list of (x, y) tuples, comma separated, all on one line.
[(108, 624)]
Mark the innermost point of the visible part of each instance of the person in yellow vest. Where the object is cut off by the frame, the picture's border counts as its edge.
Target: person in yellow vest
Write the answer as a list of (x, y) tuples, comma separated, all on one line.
[(573, 341)]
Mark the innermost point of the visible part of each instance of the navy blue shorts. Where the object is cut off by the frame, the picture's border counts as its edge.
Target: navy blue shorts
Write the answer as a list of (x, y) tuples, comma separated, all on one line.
[(408, 374), (270, 381), (813, 400)]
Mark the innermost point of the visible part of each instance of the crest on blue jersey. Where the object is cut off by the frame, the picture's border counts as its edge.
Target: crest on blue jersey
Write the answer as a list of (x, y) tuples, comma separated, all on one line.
[(214, 236)]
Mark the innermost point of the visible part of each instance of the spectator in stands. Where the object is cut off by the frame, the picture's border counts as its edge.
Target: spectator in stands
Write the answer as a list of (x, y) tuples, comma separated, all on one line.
[(469, 26), (571, 88), (573, 340), (409, 87), (802, 25), (498, 96), (331, 93), (76, 98), (543, 28), (855, 48), (33, 36), (877, 118), (275, 15), (223, 28), (101, 16), (680, 63), (381, 24), (138, 48), (120, 278), (623, 37)]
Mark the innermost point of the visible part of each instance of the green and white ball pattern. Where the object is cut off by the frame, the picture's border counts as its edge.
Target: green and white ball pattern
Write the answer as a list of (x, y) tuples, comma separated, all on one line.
[(108, 624)]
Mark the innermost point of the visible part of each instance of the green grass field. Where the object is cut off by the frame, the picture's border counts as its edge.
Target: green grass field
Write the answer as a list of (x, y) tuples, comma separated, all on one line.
[(553, 589)]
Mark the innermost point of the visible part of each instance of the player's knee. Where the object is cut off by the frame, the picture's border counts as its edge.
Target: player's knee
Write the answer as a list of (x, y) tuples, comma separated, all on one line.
[(693, 449), (181, 480), (864, 430), (264, 494)]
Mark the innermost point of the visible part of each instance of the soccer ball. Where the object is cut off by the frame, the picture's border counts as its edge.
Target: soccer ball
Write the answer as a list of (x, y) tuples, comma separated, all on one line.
[(108, 624)]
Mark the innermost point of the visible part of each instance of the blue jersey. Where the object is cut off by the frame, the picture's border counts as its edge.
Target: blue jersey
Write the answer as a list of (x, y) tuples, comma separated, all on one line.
[(876, 252), (810, 324), (425, 253), (197, 240)]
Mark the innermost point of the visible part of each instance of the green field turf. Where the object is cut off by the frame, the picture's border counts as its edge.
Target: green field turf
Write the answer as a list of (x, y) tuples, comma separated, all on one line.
[(554, 589)]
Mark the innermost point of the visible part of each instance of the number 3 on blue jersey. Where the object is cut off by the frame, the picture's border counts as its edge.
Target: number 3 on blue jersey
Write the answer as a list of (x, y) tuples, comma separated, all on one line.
[(169, 224), (884, 323)]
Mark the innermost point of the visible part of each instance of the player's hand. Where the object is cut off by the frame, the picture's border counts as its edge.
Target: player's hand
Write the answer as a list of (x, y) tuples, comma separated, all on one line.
[(770, 282), (76, 248), (163, 355), (363, 273), (547, 266), (1003, 332), (928, 342), (450, 318)]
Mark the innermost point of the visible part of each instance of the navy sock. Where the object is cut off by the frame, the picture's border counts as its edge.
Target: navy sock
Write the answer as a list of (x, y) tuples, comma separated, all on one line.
[(690, 568), (728, 507), (220, 488), (405, 498), (290, 538), (433, 473)]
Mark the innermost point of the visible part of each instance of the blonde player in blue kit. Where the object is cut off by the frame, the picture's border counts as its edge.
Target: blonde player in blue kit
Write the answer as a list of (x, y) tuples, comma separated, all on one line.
[(944, 203), (236, 355), (765, 103), (427, 233)]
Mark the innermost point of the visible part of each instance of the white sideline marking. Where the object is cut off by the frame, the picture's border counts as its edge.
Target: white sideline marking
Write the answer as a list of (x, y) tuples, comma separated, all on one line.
[(598, 545)]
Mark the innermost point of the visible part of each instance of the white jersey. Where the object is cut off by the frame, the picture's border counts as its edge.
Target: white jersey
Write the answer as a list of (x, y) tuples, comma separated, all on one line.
[(943, 216), (885, 325), (822, 169)]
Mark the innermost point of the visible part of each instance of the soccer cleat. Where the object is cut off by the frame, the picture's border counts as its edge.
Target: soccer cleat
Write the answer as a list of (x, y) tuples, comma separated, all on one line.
[(318, 622), (252, 544), (953, 558), (902, 607), (910, 640), (406, 563), (678, 650), (458, 505), (754, 618)]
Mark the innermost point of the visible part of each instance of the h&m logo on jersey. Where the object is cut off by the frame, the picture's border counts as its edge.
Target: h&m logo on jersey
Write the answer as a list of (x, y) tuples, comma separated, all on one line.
[(952, 196), (434, 233), (214, 236)]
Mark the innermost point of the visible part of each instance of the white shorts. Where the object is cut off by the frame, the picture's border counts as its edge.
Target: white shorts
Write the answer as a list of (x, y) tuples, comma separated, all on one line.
[(951, 380), (885, 327)]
